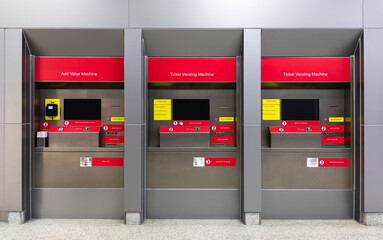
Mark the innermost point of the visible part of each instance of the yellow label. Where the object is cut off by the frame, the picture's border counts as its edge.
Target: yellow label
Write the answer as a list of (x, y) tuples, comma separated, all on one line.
[(348, 119), (271, 109), (336, 119), (162, 109), (226, 119), (117, 119), (53, 101)]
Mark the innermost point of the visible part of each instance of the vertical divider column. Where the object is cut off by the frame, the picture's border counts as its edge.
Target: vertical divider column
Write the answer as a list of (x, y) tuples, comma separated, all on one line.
[(2, 74), (134, 127), (252, 126)]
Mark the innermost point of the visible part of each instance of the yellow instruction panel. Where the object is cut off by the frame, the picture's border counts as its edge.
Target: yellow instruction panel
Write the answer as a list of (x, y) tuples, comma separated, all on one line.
[(117, 119), (271, 109), (162, 109), (336, 119), (226, 119)]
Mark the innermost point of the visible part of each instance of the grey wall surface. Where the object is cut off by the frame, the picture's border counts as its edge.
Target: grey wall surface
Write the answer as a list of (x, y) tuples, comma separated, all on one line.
[(252, 121), (245, 13), (64, 14), (11, 125), (373, 118), (2, 56), (373, 17)]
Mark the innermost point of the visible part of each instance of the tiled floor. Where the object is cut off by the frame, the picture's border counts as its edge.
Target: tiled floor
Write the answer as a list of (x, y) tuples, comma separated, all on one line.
[(188, 229)]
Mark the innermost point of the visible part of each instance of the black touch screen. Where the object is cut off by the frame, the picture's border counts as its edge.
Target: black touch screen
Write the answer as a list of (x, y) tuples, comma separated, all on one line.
[(191, 109), (82, 109), (300, 109)]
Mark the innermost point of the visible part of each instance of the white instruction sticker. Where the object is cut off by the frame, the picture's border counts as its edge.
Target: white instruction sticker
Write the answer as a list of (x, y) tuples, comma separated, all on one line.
[(312, 162), (85, 162), (198, 162)]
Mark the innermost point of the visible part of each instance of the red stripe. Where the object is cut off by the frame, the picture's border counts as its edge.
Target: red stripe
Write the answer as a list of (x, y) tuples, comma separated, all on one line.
[(88, 123), (222, 139), (107, 162), (227, 162), (332, 128), (334, 162), (300, 123), (187, 123), (113, 128), (114, 139), (73, 129), (183, 129), (294, 129), (222, 128), (333, 140)]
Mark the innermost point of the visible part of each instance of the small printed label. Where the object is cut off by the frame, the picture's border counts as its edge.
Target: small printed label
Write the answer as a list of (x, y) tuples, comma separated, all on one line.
[(312, 162), (85, 162), (117, 119), (198, 162), (336, 119), (226, 119), (162, 109), (271, 109), (42, 134)]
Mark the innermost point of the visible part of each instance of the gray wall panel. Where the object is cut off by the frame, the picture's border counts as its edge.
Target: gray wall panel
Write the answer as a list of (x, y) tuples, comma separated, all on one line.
[(373, 165), (78, 203), (133, 76), (193, 204), (133, 168), (13, 167), (252, 168), (297, 204), (64, 13), (2, 169), (2, 74), (252, 76), (373, 64), (13, 76), (372, 13), (247, 13)]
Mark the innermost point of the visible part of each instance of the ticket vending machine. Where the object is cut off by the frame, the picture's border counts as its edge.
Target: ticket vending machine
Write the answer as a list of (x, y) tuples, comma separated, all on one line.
[(307, 160), (77, 166), (193, 161)]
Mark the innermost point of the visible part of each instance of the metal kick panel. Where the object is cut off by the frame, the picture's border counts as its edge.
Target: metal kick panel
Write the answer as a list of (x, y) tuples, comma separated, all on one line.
[(289, 171), (331, 104), (175, 170), (222, 104), (112, 105), (196, 139), (62, 170)]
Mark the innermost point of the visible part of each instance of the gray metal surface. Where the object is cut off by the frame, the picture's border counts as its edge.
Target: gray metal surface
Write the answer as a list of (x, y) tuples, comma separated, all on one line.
[(76, 42), (248, 14), (74, 139), (62, 170), (193, 43), (133, 66), (2, 169), (13, 76), (290, 171), (65, 14), (78, 203), (252, 76), (133, 178), (309, 42), (373, 194), (3, 216), (372, 14), (2, 74), (291, 140), (175, 170), (373, 51), (197, 204), (192, 139), (307, 204), (252, 169)]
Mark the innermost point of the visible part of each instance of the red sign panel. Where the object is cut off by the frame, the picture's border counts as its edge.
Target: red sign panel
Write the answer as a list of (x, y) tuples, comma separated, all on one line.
[(107, 162), (299, 123), (334, 162), (226, 162), (79, 69), (88, 123), (191, 123), (73, 129), (294, 130), (183, 129), (113, 128), (191, 69), (222, 139), (305, 69), (333, 140), (332, 128), (222, 128), (44, 126), (113, 139)]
